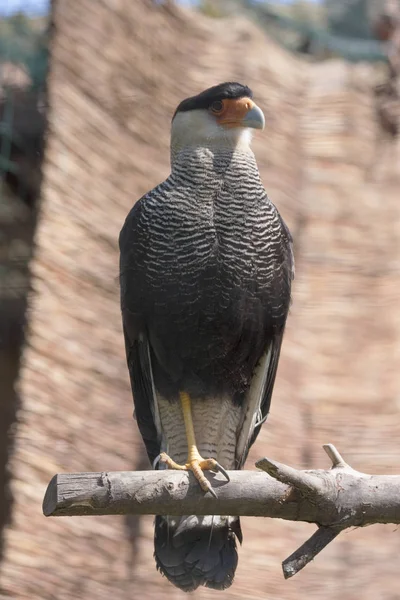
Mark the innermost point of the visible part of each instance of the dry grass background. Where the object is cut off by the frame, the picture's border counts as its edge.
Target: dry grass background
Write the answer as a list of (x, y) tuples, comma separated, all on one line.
[(118, 71)]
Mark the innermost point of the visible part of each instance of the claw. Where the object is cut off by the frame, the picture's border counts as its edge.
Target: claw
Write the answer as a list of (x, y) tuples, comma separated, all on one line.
[(156, 461), (220, 469), (197, 465), (210, 464), (212, 492)]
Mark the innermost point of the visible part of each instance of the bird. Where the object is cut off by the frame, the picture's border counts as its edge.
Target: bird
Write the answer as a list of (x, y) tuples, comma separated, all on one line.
[(206, 268)]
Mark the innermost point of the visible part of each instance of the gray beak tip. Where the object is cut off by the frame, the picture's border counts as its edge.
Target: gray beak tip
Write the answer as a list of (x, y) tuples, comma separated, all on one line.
[(254, 118)]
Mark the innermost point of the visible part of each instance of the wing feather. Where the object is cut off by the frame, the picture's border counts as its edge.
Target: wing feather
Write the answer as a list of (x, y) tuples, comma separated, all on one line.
[(258, 400), (146, 412), (136, 340)]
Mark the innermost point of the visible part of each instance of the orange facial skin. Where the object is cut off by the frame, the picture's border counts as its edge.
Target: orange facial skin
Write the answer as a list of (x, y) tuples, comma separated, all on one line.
[(233, 111)]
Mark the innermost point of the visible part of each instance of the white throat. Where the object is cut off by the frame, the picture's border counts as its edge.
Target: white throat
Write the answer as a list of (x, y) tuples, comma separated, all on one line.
[(198, 129)]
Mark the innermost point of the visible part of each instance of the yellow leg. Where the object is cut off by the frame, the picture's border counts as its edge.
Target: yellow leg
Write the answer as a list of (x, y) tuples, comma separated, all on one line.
[(195, 462), (193, 453)]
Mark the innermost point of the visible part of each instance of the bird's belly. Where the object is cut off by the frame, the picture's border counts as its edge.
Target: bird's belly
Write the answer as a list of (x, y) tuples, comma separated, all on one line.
[(216, 422), (207, 319)]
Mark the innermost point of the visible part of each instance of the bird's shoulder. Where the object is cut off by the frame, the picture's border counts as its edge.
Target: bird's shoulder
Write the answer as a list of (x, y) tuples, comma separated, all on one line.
[(286, 243), (136, 218)]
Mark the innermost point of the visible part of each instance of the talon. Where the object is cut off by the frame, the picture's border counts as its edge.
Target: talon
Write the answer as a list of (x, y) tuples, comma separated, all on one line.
[(156, 461), (212, 492), (220, 469), (204, 483), (210, 464)]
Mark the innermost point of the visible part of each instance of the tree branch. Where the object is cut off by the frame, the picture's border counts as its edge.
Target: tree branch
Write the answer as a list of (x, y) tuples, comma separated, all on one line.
[(334, 499), (308, 551)]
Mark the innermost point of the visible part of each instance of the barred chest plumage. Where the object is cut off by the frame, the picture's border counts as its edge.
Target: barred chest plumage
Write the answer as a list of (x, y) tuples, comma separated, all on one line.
[(212, 212), (212, 261)]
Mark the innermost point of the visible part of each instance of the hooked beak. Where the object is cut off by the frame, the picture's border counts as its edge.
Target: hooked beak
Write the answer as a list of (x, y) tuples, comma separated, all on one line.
[(254, 118), (241, 112)]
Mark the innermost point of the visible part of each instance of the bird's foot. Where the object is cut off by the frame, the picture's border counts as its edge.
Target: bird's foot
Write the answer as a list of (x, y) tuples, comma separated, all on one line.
[(197, 465)]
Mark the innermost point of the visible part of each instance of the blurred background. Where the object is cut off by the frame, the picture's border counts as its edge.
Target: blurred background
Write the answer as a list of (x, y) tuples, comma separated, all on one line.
[(87, 91)]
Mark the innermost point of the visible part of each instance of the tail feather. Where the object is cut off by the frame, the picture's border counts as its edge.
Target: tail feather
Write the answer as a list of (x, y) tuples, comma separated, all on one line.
[(192, 551)]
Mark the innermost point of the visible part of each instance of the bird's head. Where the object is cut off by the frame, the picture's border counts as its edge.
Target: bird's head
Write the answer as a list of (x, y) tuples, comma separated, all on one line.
[(221, 116)]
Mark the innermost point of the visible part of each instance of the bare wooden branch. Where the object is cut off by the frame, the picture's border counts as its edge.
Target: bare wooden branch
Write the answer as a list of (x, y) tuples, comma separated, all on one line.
[(164, 492), (305, 481), (308, 551), (334, 499), (332, 452)]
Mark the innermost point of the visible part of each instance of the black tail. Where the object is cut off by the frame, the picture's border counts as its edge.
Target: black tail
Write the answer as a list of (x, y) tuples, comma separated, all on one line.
[(192, 551)]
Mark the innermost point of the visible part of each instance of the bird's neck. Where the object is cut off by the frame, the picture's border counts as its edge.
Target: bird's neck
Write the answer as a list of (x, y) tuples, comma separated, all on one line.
[(208, 165)]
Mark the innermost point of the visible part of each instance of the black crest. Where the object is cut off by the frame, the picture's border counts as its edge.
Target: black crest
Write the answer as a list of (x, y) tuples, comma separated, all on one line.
[(222, 91)]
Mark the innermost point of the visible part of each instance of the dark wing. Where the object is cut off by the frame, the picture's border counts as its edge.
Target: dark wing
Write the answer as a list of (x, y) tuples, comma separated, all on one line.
[(136, 341), (258, 398)]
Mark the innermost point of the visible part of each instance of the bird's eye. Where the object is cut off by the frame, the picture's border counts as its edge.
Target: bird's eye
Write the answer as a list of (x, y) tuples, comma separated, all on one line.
[(217, 106)]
